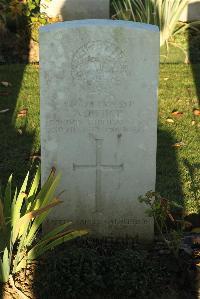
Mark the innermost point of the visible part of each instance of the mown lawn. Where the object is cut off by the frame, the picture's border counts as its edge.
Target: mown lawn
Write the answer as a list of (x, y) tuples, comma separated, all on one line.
[(178, 168), (19, 137)]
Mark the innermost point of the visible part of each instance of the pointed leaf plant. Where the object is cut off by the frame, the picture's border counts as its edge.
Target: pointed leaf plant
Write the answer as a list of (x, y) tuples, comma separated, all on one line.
[(21, 216)]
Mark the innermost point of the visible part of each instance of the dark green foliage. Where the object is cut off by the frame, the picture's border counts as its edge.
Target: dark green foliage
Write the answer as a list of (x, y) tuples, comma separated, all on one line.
[(91, 273), (19, 23), (15, 14)]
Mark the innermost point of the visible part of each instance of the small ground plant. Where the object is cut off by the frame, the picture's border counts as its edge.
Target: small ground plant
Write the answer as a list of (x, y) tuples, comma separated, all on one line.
[(169, 228)]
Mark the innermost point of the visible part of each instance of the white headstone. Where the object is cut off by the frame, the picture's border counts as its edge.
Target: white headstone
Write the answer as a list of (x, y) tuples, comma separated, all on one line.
[(76, 9), (99, 122)]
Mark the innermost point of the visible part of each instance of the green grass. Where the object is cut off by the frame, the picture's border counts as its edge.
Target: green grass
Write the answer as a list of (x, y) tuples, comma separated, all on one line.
[(19, 137), (178, 169)]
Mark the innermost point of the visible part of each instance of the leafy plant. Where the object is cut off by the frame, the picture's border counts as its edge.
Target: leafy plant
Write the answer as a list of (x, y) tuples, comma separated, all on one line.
[(21, 216), (22, 16), (160, 210), (116, 270), (29, 9), (3, 15), (163, 13)]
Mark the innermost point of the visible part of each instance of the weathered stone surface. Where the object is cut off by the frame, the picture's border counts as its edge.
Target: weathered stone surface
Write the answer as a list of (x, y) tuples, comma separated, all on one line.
[(76, 9), (99, 121)]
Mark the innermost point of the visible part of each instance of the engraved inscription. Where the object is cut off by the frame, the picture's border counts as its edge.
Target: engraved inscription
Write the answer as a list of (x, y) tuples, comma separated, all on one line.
[(92, 116), (113, 221), (97, 63), (121, 221)]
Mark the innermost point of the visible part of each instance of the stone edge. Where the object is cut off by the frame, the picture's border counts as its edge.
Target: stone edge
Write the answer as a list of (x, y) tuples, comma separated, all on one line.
[(98, 22)]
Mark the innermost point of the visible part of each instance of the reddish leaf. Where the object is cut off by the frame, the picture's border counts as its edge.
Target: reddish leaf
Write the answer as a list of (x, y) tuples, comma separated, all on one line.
[(196, 112), (22, 112), (178, 144), (177, 113)]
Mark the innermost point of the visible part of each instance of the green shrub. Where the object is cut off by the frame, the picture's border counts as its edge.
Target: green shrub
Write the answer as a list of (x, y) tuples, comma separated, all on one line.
[(87, 273), (22, 17), (21, 216), (23, 11)]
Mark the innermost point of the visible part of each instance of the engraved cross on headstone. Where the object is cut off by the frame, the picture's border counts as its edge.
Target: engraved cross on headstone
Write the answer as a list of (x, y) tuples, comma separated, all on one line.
[(99, 167)]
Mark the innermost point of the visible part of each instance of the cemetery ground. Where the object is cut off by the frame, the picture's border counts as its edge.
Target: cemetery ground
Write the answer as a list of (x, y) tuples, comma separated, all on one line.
[(95, 269)]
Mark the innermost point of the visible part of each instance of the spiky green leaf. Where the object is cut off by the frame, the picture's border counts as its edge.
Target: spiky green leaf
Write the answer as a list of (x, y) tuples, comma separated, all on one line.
[(7, 198), (5, 267), (48, 196), (39, 249), (17, 204), (23, 221), (55, 231), (35, 183)]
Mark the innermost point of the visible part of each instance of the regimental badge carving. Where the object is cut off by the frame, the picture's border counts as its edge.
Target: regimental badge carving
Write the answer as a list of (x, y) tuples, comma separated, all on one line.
[(97, 64)]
